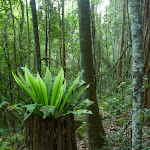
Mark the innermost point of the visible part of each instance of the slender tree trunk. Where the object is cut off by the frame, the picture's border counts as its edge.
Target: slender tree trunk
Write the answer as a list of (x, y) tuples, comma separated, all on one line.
[(95, 128), (129, 24), (28, 32), (106, 42), (7, 58), (115, 39), (20, 34), (99, 55), (130, 39), (93, 38), (15, 56), (46, 36), (122, 44), (63, 38), (36, 36), (137, 73), (49, 31), (60, 24)]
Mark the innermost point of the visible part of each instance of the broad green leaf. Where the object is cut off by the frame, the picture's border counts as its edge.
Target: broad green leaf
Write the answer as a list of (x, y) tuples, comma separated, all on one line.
[(23, 68), (32, 83), (25, 88), (70, 102), (23, 80), (82, 90), (62, 91), (42, 90), (30, 109), (47, 110), (78, 93), (3, 103), (69, 93), (56, 87), (48, 83)]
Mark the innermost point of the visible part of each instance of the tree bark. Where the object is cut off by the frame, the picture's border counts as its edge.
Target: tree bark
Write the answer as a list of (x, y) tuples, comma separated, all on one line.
[(63, 38), (28, 32), (20, 34), (49, 31), (96, 134), (122, 44), (146, 31), (15, 56), (7, 58), (36, 36), (46, 36), (60, 36), (93, 39), (50, 134), (137, 73)]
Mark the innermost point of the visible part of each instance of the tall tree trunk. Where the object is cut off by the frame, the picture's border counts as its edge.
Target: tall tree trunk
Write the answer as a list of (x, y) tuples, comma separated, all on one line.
[(28, 32), (99, 55), (122, 44), (137, 73), (20, 34), (146, 31), (95, 128), (15, 56), (7, 58), (49, 31), (46, 36), (60, 36), (93, 38), (36, 36), (128, 22), (63, 38)]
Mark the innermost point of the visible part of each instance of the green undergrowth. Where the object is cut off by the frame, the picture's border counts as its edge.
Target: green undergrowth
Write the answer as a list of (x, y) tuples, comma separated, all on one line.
[(12, 141)]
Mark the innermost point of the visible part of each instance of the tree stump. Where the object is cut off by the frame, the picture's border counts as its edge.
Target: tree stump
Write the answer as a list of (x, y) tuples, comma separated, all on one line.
[(50, 134)]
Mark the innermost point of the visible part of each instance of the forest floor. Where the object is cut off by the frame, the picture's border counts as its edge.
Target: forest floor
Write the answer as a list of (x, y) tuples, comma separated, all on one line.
[(117, 136), (116, 119), (118, 130)]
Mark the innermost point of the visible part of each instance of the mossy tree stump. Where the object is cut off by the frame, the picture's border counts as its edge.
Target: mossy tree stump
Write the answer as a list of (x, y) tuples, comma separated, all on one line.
[(50, 134)]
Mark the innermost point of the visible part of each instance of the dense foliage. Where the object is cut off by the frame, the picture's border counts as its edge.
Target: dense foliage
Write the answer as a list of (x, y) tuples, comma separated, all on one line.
[(111, 42)]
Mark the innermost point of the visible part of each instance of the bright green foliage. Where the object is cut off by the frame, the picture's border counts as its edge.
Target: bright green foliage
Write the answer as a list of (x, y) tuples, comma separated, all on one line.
[(51, 98), (48, 83), (30, 108), (57, 88)]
